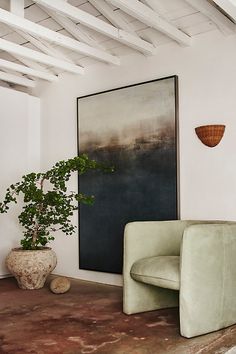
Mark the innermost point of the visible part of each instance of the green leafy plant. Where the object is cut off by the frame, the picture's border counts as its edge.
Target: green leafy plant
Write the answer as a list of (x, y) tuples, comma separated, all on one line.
[(48, 210)]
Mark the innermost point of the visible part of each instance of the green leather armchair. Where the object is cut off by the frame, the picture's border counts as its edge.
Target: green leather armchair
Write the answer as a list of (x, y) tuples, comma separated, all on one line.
[(190, 264)]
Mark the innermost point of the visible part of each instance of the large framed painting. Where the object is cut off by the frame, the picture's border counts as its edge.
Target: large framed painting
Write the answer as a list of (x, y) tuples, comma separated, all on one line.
[(133, 128)]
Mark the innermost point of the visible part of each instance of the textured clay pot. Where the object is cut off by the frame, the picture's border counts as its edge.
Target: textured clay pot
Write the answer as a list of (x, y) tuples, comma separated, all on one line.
[(31, 268)]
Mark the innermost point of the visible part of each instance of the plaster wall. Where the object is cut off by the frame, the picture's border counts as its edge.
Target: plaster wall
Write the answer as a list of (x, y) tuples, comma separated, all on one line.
[(207, 94), (19, 154)]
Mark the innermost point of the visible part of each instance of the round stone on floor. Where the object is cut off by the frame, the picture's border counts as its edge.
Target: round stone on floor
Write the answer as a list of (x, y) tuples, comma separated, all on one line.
[(60, 285)]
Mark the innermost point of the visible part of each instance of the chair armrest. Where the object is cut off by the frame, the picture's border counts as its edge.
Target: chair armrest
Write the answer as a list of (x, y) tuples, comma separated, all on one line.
[(145, 239), (208, 278), (152, 238)]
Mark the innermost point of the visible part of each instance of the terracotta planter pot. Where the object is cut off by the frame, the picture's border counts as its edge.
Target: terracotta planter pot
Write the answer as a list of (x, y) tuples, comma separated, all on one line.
[(31, 268)]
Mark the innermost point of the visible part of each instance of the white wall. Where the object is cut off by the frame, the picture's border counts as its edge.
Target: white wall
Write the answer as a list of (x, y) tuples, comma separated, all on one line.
[(207, 94), (19, 154)]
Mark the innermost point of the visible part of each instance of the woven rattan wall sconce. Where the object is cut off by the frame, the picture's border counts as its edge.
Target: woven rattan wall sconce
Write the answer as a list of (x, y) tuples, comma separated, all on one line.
[(210, 135)]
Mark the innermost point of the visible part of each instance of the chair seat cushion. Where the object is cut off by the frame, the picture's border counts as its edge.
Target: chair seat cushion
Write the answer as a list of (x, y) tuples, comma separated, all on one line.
[(162, 271)]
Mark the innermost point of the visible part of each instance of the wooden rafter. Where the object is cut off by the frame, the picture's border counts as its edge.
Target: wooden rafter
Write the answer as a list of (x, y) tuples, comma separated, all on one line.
[(75, 30), (98, 25), (32, 64), (146, 15), (229, 7), (55, 37), (17, 8), (221, 21), (113, 16), (16, 79), (39, 57), (43, 46), (9, 65)]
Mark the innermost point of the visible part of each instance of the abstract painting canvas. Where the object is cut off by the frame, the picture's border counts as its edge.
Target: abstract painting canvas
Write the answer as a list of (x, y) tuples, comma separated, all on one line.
[(133, 128)]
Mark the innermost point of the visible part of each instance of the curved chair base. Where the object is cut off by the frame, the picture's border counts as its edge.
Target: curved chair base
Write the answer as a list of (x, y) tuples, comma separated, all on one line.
[(207, 272)]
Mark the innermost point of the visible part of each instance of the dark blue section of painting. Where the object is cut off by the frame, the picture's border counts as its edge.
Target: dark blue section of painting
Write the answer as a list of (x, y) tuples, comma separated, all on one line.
[(143, 187)]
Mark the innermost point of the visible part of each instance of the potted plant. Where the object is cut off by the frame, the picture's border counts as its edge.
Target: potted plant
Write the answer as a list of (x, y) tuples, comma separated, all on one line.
[(48, 207)]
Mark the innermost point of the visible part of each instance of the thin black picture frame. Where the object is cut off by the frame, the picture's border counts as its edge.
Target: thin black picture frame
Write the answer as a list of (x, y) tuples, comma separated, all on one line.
[(176, 87)]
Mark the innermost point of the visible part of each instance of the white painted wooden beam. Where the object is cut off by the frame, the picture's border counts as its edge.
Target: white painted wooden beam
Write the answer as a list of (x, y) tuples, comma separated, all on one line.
[(17, 7), (75, 30), (113, 16), (146, 15), (98, 25), (39, 57), (16, 79), (229, 6), (43, 46), (9, 65), (55, 37), (221, 21), (31, 64)]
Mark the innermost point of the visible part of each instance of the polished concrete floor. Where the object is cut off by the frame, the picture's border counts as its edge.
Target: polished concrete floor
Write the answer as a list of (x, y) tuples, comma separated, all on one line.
[(89, 319)]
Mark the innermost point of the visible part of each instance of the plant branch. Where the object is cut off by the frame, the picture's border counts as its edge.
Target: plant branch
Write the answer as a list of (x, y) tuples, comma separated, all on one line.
[(44, 209)]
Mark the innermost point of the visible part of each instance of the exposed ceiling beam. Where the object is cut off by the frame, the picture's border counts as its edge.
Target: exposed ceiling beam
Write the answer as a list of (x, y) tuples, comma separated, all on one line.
[(75, 30), (151, 18), (17, 7), (39, 57), (221, 21), (150, 33), (55, 37), (98, 25), (113, 16), (31, 64), (9, 65), (228, 6), (43, 46), (16, 79)]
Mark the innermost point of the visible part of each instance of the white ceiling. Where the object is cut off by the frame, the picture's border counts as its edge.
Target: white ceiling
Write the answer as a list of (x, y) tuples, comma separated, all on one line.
[(157, 22)]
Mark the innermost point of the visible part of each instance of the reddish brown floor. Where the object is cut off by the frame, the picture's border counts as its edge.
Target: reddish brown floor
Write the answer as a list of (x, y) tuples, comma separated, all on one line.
[(89, 319)]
